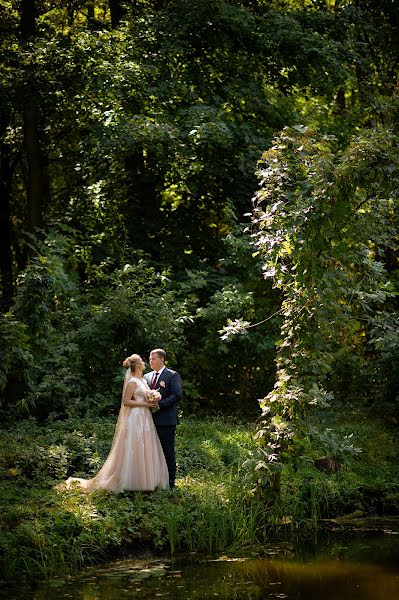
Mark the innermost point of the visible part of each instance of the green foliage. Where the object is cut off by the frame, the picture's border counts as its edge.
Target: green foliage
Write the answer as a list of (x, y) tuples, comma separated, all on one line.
[(228, 376), (64, 530), (15, 353), (323, 219), (369, 484), (146, 148), (144, 154), (213, 508), (79, 338)]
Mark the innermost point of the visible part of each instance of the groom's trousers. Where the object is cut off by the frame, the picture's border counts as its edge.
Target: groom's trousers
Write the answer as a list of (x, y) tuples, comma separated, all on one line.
[(166, 434)]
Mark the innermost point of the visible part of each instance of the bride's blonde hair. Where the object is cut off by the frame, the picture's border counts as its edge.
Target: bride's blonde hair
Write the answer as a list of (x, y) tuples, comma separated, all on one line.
[(132, 361)]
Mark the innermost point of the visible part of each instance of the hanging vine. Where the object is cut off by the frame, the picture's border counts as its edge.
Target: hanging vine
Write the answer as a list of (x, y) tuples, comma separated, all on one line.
[(320, 217)]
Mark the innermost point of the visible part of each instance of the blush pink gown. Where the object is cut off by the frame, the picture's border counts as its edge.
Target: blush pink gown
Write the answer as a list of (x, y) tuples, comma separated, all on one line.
[(136, 460)]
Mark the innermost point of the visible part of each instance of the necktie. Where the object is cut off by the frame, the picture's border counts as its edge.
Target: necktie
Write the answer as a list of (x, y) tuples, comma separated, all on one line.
[(154, 380)]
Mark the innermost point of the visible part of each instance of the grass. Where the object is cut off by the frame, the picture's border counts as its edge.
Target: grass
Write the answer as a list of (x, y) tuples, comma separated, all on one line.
[(213, 507)]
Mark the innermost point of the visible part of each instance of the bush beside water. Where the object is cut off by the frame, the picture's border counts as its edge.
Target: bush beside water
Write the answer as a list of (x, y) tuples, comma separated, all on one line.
[(214, 507)]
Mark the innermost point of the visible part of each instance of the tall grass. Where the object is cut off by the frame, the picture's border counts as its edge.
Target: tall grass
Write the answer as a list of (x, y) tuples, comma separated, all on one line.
[(220, 517)]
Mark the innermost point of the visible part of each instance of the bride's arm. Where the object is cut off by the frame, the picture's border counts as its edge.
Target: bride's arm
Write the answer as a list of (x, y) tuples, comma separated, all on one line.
[(129, 395)]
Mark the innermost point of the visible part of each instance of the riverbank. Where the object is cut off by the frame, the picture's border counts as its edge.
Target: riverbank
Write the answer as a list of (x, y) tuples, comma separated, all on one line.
[(213, 507)]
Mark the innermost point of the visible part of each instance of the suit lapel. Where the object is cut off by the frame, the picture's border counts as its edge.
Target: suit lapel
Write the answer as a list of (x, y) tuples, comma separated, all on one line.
[(162, 377), (150, 376)]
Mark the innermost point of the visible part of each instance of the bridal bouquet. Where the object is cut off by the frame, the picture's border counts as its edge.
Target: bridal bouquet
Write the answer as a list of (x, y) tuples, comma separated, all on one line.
[(151, 396)]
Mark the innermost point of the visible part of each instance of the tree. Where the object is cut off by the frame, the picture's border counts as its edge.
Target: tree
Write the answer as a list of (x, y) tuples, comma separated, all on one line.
[(322, 219), (31, 117)]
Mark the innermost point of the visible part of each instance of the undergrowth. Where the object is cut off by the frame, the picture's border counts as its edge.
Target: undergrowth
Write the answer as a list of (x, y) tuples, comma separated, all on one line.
[(215, 505)]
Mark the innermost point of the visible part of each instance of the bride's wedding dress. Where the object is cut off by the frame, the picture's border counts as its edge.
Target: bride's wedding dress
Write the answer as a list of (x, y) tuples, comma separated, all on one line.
[(136, 460)]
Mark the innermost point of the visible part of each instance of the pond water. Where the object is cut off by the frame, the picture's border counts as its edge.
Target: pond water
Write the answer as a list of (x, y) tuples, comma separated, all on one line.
[(365, 567)]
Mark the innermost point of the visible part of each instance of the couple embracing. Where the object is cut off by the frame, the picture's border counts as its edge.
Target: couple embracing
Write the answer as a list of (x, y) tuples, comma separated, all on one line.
[(142, 455)]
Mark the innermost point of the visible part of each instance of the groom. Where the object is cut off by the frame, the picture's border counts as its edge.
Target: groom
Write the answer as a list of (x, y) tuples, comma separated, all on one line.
[(168, 383)]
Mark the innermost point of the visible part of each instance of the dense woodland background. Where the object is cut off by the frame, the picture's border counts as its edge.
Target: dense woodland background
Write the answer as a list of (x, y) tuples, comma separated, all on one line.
[(218, 178)]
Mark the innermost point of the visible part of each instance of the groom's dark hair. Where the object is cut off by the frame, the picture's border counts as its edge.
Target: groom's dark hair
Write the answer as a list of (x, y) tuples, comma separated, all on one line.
[(161, 353)]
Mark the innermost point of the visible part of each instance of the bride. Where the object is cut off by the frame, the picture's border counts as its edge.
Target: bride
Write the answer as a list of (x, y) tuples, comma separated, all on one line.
[(136, 460)]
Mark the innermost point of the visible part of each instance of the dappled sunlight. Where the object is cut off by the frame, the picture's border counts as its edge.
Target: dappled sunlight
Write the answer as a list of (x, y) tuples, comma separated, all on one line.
[(205, 489), (82, 505), (213, 446)]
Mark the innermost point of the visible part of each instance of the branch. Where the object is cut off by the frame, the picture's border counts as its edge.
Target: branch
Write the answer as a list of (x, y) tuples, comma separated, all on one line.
[(240, 326)]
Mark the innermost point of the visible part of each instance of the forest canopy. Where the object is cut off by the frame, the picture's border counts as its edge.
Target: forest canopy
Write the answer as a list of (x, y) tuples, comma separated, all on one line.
[(218, 178)]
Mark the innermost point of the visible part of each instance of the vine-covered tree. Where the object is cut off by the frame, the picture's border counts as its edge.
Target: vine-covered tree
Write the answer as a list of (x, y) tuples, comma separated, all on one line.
[(325, 219)]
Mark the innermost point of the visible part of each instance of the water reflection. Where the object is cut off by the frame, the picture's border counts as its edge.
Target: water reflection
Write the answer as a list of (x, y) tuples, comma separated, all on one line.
[(364, 569)]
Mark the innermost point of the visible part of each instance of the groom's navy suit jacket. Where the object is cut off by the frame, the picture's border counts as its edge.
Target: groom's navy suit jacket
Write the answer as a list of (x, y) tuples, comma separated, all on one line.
[(171, 391)]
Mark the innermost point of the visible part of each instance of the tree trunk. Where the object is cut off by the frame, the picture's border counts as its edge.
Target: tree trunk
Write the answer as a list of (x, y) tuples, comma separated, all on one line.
[(35, 167), (115, 7), (35, 183), (340, 102), (7, 285), (27, 24), (91, 21)]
